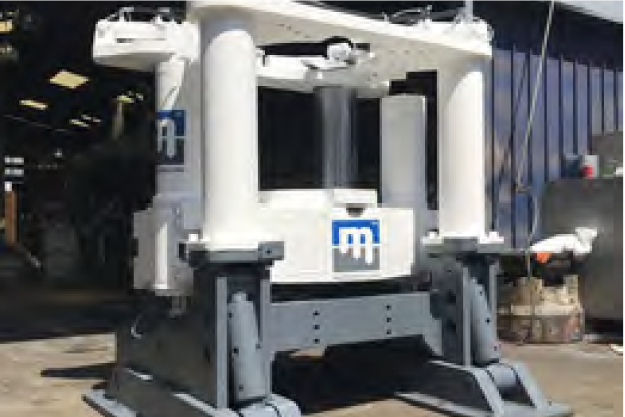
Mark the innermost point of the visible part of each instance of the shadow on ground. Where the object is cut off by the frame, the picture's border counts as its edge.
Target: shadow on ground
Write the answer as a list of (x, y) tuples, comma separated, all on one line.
[(93, 371), (26, 316), (343, 377)]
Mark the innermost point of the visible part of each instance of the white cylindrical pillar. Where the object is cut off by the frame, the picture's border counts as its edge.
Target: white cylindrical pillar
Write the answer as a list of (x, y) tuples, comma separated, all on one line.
[(178, 176), (230, 132), (461, 177), (170, 125)]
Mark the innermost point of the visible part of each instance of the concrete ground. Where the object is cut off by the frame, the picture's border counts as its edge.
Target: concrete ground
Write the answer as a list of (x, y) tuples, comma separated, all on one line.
[(50, 356)]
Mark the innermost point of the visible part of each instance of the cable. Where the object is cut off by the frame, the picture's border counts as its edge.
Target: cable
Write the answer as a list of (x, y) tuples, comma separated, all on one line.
[(530, 119), (519, 187)]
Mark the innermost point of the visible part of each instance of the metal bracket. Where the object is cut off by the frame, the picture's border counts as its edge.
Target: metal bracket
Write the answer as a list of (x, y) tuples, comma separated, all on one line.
[(462, 246), (197, 255)]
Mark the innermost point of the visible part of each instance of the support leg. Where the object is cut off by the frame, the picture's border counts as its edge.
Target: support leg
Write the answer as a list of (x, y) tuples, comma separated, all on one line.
[(208, 362), (471, 379), (473, 392)]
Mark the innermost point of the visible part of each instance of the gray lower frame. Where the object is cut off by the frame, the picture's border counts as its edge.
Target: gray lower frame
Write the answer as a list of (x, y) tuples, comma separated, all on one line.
[(474, 392), (215, 360)]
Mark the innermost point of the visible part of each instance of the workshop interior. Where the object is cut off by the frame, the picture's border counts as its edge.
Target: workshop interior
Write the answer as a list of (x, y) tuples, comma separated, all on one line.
[(412, 181)]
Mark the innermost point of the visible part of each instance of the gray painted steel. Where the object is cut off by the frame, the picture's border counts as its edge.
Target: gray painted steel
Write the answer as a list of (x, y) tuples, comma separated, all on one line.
[(503, 375), (267, 252), (246, 356), (471, 392), (180, 365), (345, 262), (483, 334), (314, 323)]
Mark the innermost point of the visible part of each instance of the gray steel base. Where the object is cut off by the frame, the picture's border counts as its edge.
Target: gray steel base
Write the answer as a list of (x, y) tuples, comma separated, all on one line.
[(111, 408), (510, 409), (172, 404), (471, 392), (215, 359)]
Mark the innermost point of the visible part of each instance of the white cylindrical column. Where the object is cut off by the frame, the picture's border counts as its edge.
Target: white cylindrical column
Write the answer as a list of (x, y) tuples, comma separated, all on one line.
[(170, 125), (178, 176), (461, 177), (230, 123)]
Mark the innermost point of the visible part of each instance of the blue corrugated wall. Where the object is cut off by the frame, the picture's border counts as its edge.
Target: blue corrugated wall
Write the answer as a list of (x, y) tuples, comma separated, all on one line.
[(580, 95)]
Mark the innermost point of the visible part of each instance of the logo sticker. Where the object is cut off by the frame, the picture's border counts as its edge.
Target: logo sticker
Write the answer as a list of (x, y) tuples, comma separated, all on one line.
[(356, 245), (171, 131)]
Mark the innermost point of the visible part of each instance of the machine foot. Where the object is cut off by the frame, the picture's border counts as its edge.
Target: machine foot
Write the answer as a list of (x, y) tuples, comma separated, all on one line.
[(107, 406), (147, 398), (275, 406), (110, 407), (473, 392)]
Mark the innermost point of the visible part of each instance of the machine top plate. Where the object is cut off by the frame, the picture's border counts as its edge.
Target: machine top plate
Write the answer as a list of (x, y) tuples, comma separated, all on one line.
[(397, 48)]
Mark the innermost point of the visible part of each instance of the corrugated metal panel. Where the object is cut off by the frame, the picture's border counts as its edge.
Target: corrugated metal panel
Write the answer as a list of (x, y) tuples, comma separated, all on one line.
[(619, 100), (580, 95)]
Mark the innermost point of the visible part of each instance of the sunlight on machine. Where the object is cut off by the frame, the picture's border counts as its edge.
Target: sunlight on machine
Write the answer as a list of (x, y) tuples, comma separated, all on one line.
[(212, 247)]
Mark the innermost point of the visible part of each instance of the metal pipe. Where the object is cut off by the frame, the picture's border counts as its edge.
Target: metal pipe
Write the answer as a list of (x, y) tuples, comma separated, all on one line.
[(335, 109), (468, 9)]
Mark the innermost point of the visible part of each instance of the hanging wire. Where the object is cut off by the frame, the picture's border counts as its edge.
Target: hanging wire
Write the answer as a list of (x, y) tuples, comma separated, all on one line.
[(519, 186)]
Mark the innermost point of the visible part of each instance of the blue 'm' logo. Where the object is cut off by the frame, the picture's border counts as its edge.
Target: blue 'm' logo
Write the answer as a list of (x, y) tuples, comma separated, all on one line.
[(372, 225), (355, 245)]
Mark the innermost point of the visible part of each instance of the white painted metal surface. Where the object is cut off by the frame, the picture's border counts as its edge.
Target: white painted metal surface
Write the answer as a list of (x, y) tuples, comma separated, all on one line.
[(303, 220), (170, 50), (461, 147), (211, 67), (403, 162), (230, 135), (123, 43), (427, 45), (457, 50)]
